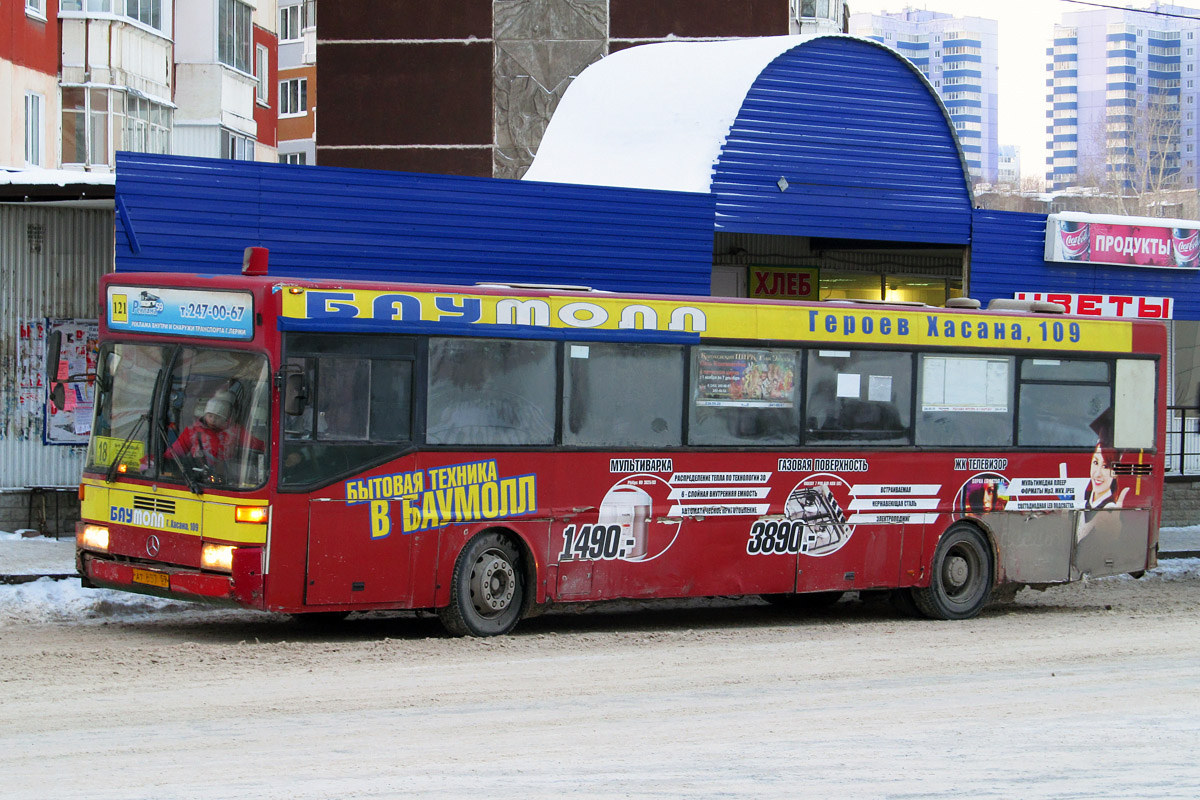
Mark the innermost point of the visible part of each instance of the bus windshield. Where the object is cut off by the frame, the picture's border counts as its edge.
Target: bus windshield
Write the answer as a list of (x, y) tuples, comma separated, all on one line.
[(189, 415)]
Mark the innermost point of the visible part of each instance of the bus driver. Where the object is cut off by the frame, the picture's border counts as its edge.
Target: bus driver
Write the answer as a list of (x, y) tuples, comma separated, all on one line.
[(213, 438)]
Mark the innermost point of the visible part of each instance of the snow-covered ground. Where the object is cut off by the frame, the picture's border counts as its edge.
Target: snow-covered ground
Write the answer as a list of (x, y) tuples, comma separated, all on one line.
[(1083, 691), (65, 601)]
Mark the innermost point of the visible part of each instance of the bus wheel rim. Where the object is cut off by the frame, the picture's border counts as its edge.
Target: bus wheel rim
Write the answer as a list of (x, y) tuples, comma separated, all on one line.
[(493, 583)]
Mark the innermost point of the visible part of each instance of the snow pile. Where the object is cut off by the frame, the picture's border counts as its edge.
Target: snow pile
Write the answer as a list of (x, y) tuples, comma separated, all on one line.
[(654, 116), (49, 601)]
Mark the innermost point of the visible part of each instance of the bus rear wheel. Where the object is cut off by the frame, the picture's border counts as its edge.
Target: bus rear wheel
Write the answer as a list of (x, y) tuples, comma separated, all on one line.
[(487, 590), (962, 576)]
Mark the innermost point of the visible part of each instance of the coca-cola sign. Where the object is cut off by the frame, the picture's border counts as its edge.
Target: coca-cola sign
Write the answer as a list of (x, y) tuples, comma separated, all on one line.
[(1123, 241)]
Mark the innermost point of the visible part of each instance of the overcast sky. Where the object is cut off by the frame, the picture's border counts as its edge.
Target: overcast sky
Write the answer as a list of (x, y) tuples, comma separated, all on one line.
[(1026, 28)]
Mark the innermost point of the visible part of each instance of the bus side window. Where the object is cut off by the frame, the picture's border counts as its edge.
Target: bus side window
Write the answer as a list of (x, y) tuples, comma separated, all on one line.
[(1134, 422), (857, 396), (622, 395), (491, 391), (1060, 399), (744, 396), (343, 394), (391, 401), (965, 401)]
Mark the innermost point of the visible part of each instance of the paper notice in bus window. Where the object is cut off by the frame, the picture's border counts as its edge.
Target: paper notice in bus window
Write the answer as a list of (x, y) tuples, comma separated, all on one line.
[(849, 385), (579, 351), (976, 385), (739, 378), (879, 388)]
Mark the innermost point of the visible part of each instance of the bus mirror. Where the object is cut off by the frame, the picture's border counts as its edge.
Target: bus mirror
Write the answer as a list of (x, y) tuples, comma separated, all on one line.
[(295, 395), (108, 368), (58, 396), (53, 352), (58, 392)]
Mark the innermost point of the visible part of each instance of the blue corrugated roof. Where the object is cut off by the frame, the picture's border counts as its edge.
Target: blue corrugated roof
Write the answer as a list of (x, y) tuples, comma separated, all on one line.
[(865, 147), (197, 215)]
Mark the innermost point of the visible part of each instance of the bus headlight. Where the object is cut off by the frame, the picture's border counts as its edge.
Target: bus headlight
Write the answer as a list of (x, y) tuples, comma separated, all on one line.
[(217, 556), (92, 537)]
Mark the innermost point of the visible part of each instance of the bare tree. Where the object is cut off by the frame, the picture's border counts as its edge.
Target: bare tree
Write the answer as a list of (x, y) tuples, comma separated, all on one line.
[(1133, 161)]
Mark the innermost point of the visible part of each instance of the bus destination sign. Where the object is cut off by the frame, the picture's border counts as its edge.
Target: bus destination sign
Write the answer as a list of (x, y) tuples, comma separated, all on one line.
[(370, 310), (181, 312)]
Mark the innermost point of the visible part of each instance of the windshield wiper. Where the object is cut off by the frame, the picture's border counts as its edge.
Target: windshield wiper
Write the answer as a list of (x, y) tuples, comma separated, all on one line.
[(116, 462), (191, 482)]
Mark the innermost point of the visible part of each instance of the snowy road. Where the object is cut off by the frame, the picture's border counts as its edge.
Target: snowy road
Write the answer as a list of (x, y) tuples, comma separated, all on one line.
[(1086, 691)]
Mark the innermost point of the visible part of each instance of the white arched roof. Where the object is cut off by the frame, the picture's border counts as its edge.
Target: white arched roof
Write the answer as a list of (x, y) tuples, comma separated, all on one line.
[(653, 116)]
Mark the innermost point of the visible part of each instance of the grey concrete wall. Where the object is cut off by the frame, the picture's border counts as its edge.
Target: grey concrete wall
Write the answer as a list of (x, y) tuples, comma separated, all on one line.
[(1181, 504), (17, 512)]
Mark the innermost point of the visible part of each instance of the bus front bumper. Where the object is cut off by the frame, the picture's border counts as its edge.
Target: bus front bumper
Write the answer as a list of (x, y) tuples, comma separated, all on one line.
[(243, 587)]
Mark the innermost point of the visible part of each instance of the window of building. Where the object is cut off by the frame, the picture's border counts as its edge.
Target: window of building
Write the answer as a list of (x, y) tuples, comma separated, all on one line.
[(236, 146), (95, 6), (598, 411), (98, 126), (146, 127), (36, 8), (34, 105), (262, 75), (293, 97), (74, 125), (293, 158), (147, 12), (292, 22), (234, 34)]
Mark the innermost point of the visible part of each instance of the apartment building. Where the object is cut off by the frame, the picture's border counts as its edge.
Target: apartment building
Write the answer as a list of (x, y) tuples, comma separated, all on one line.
[(83, 79), (29, 83), (297, 34), (959, 56), (1122, 98)]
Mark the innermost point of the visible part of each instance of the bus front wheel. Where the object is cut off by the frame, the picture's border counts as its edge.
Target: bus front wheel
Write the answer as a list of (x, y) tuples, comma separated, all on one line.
[(487, 590), (962, 576)]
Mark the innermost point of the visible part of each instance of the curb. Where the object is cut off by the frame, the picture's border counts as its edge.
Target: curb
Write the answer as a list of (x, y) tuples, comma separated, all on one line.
[(14, 579), (1180, 554)]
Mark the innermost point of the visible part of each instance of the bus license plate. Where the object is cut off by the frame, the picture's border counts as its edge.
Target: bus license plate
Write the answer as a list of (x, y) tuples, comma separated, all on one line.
[(152, 578)]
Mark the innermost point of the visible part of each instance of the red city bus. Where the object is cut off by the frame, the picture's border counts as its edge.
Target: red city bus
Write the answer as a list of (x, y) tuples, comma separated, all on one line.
[(325, 447)]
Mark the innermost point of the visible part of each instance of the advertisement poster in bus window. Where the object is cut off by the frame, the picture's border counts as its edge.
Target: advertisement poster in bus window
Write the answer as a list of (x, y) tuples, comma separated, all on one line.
[(737, 378), (72, 423)]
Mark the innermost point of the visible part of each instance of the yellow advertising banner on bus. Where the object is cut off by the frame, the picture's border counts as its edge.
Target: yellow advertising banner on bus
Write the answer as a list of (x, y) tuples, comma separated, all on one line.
[(827, 323)]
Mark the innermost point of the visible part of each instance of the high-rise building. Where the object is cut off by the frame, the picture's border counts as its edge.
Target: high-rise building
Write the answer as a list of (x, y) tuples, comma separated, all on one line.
[(1122, 95), (1009, 170), (959, 57)]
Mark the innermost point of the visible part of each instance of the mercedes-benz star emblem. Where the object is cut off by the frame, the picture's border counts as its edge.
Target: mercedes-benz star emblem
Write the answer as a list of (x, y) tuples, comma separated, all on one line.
[(152, 545)]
